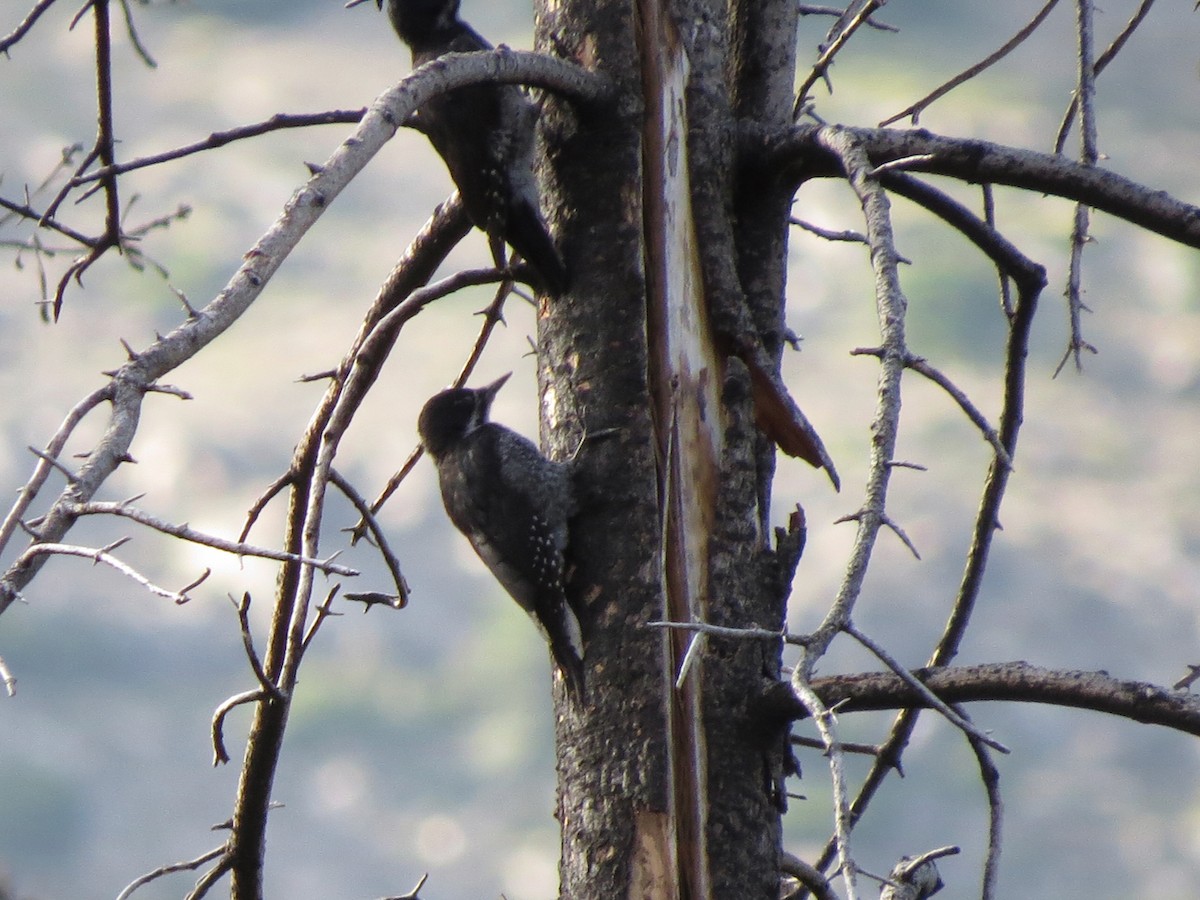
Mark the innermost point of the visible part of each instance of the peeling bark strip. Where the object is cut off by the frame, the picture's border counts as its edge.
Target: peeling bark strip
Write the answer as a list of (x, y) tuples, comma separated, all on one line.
[(684, 375)]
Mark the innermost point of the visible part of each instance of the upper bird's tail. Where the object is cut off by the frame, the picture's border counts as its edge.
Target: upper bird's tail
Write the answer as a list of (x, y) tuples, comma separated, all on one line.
[(526, 232)]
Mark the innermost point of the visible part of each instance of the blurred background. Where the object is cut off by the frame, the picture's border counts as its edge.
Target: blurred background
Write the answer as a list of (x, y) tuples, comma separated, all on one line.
[(421, 741)]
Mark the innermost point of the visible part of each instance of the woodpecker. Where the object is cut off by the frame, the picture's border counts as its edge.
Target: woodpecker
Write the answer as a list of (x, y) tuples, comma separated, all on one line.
[(485, 135), (513, 505)]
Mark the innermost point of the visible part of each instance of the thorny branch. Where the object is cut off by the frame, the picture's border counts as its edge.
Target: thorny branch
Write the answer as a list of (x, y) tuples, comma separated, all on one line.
[(891, 306), (1030, 280), (102, 555), (1085, 97), (186, 533), (843, 823), (856, 14)]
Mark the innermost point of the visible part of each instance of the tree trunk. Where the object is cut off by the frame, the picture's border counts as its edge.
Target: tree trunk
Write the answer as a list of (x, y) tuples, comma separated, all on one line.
[(666, 791)]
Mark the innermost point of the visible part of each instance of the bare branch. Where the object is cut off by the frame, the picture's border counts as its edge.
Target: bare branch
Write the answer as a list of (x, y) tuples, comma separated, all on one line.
[(892, 306), (826, 725), (218, 721), (1015, 41), (846, 25), (1138, 701), (931, 699), (101, 555), (983, 162), (19, 32), (277, 122), (243, 611), (1102, 62), (186, 533), (188, 865), (381, 543), (921, 365)]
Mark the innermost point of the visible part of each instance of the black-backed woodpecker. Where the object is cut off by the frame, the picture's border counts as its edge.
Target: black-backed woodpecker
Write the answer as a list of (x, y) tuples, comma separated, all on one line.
[(486, 135), (513, 504)]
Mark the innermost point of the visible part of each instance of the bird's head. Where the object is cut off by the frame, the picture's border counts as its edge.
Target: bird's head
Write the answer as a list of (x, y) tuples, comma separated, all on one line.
[(452, 414)]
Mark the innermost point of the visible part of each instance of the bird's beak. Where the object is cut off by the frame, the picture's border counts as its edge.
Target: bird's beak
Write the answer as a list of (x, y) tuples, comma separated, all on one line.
[(491, 390)]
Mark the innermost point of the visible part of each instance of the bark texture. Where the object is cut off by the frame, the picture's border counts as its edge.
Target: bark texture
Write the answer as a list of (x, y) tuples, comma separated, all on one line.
[(666, 791)]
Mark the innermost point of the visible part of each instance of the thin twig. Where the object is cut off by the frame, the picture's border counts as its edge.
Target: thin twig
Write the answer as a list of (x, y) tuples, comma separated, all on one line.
[(1015, 41), (243, 612), (390, 488), (847, 746), (921, 365), (808, 9), (1102, 62), (216, 139), (42, 470), (211, 877), (842, 823), (821, 66), (990, 775), (25, 211), (19, 32), (324, 610), (379, 537), (186, 533), (185, 866), (765, 634), (989, 218), (218, 720), (847, 235), (929, 696), (101, 555), (270, 493)]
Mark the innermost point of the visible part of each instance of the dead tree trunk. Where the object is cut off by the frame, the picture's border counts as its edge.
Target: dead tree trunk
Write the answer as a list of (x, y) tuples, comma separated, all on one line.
[(669, 790)]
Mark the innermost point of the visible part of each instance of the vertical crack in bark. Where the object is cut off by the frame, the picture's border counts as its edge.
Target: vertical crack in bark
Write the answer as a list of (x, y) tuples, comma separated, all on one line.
[(685, 389)]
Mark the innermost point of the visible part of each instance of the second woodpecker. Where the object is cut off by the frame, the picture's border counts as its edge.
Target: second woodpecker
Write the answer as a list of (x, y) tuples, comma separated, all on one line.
[(486, 136), (513, 505)]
